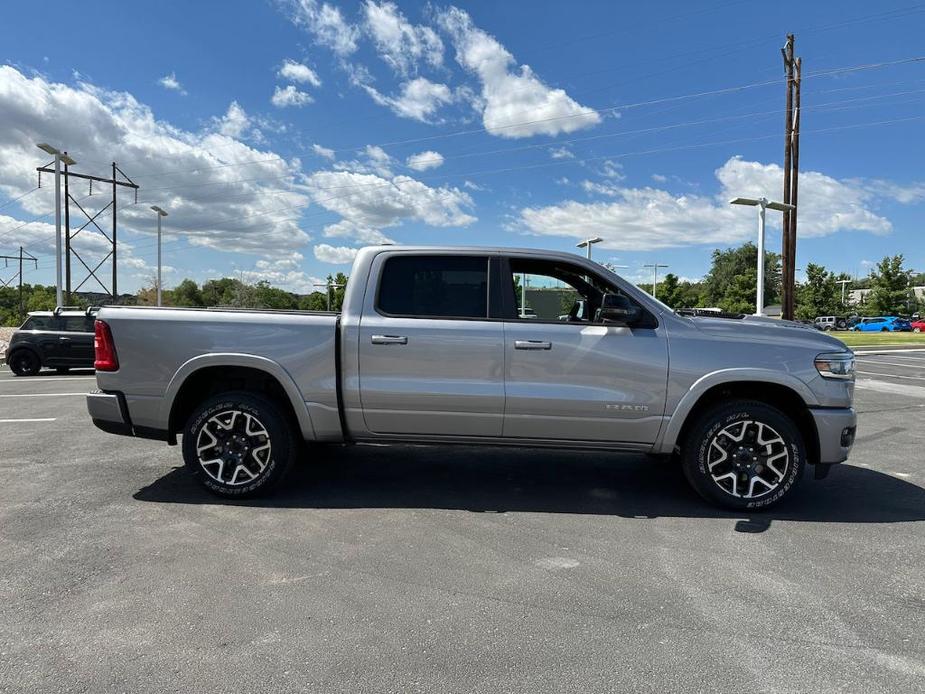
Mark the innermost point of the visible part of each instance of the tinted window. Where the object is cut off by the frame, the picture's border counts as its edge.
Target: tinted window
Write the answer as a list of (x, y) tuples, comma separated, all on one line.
[(38, 323), (437, 286), (77, 324)]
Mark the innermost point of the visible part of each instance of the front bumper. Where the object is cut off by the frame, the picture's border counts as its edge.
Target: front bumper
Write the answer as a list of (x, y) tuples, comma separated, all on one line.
[(836, 427)]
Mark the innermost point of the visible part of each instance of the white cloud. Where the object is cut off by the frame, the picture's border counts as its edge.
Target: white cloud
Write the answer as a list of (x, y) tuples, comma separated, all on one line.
[(659, 178), (373, 159), (235, 122), (419, 98), (648, 218), (325, 152), (374, 202), (336, 255), (220, 191), (399, 43), (283, 272), (561, 153), (357, 232), (425, 160), (289, 96), (326, 23), (172, 83), (516, 103), (297, 72)]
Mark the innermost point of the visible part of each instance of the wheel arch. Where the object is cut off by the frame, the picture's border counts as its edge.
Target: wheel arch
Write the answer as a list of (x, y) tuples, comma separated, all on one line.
[(788, 395), (210, 374)]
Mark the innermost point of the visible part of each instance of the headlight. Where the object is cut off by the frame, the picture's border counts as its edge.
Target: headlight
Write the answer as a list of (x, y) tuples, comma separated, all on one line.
[(835, 365)]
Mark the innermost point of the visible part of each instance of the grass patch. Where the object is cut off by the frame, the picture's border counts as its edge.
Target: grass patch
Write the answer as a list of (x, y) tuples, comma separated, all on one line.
[(853, 339)]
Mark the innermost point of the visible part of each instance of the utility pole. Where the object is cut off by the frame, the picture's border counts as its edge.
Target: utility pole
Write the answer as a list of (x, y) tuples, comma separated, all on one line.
[(6, 283), (793, 68), (59, 157), (655, 267)]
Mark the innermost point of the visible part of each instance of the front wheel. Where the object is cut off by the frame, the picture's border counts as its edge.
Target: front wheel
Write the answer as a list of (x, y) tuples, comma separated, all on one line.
[(25, 363), (238, 445), (916, 330), (743, 455)]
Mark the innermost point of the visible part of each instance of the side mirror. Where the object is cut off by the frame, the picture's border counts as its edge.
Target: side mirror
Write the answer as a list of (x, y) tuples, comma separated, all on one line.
[(616, 308)]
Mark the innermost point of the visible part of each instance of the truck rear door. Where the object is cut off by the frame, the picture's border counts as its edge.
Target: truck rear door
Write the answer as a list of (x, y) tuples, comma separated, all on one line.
[(430, 357)]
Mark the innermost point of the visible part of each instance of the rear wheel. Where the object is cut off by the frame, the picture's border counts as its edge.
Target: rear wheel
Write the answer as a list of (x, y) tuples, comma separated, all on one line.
[(25, 363), (743, 455), (238, 445), (884, 330)]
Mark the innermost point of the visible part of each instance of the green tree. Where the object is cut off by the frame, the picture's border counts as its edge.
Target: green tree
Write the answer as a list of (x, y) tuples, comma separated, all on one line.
[(819, 295), (726, 284), (890, 291), (316, 301), (187, 293), (669, 291)]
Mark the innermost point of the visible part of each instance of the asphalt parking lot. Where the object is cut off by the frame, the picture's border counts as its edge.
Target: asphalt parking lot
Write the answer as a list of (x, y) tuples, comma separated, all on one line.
[(433, 569)]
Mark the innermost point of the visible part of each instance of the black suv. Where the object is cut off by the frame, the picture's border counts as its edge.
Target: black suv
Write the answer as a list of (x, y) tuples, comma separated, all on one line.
[(59, 340)]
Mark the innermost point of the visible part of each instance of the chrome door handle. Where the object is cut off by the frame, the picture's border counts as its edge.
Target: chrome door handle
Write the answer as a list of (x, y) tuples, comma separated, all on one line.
[(389, 340), (532, 344)]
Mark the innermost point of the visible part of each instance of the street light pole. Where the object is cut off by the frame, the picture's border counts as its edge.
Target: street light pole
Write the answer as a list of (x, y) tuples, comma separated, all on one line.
[(59, 157), (843, 283), (160, 213), (587, 243), (762, 204), (655, 267)]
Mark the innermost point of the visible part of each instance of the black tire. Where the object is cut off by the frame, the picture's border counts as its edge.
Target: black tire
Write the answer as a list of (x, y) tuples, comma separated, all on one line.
[(727, 440), (25, 362), (236, 443), (884, 330)]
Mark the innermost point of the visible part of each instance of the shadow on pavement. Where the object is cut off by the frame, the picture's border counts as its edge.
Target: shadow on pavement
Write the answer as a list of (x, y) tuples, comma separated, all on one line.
[(497, 480)]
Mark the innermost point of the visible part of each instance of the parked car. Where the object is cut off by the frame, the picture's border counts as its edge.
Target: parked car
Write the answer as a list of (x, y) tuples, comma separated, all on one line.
[(59, 339), (883, 324), (831, 322), (430, 348), (917, 326)]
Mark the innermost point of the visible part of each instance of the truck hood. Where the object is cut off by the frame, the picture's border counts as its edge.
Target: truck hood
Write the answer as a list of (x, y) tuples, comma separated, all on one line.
[(768, 330)]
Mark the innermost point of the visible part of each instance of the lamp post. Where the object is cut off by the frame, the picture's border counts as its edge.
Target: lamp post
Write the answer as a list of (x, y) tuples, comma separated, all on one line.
[(762, 204), (843, 283), (59, 157), (655, 267), (587, 243), (160, 213)]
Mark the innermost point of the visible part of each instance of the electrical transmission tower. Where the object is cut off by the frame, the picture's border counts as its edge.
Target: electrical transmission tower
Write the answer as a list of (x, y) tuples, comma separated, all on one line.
[(118, 179), (6, 283)]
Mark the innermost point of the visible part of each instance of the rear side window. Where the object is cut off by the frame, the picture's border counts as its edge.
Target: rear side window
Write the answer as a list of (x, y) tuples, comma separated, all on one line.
[(435, 286), (77, 324), (38, 323)]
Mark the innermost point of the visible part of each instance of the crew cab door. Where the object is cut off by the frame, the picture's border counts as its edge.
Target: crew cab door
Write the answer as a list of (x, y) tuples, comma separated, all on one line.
[(568, 377), (430, 357)]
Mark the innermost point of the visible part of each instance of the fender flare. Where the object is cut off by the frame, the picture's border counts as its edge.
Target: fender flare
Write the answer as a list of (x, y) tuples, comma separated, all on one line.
[(252, 361), (688, 402)]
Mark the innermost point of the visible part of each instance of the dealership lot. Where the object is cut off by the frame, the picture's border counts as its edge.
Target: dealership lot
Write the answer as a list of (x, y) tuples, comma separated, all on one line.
[(434, 569)]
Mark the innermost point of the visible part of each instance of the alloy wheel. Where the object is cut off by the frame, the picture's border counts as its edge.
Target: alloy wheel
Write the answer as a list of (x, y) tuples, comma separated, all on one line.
[(233, 447), (748, 459)]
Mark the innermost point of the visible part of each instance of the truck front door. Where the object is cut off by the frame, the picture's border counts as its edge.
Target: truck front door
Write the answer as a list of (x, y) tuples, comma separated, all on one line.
[(430, 356), (568, 377)]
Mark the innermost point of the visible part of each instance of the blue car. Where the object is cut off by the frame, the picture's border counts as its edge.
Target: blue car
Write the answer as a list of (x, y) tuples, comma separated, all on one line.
[(883, 324)]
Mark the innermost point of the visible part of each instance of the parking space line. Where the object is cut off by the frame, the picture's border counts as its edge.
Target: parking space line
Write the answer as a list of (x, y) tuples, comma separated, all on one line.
[(914, 350), (38, 419), (892, 388), (31, 381), (37, 395), (906, 365), (868, 373)]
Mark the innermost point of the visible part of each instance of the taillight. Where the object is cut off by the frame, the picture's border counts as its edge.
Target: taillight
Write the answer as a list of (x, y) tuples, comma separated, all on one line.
[(106, 359)]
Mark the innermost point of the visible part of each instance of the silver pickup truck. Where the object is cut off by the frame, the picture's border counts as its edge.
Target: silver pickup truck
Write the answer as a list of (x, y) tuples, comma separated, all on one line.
[(480, 346)]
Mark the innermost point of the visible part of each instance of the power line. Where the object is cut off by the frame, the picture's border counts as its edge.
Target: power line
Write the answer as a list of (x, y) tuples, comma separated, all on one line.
[(18, 197)]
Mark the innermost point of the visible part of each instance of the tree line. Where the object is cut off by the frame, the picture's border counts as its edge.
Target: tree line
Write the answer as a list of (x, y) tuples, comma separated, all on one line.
[(729, 285)]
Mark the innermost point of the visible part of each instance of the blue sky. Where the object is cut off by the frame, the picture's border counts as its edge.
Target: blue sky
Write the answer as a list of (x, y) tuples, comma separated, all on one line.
[(281, 136)]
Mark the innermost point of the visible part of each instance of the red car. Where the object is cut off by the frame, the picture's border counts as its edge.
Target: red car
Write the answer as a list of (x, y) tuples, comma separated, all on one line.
[(918, 325)]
